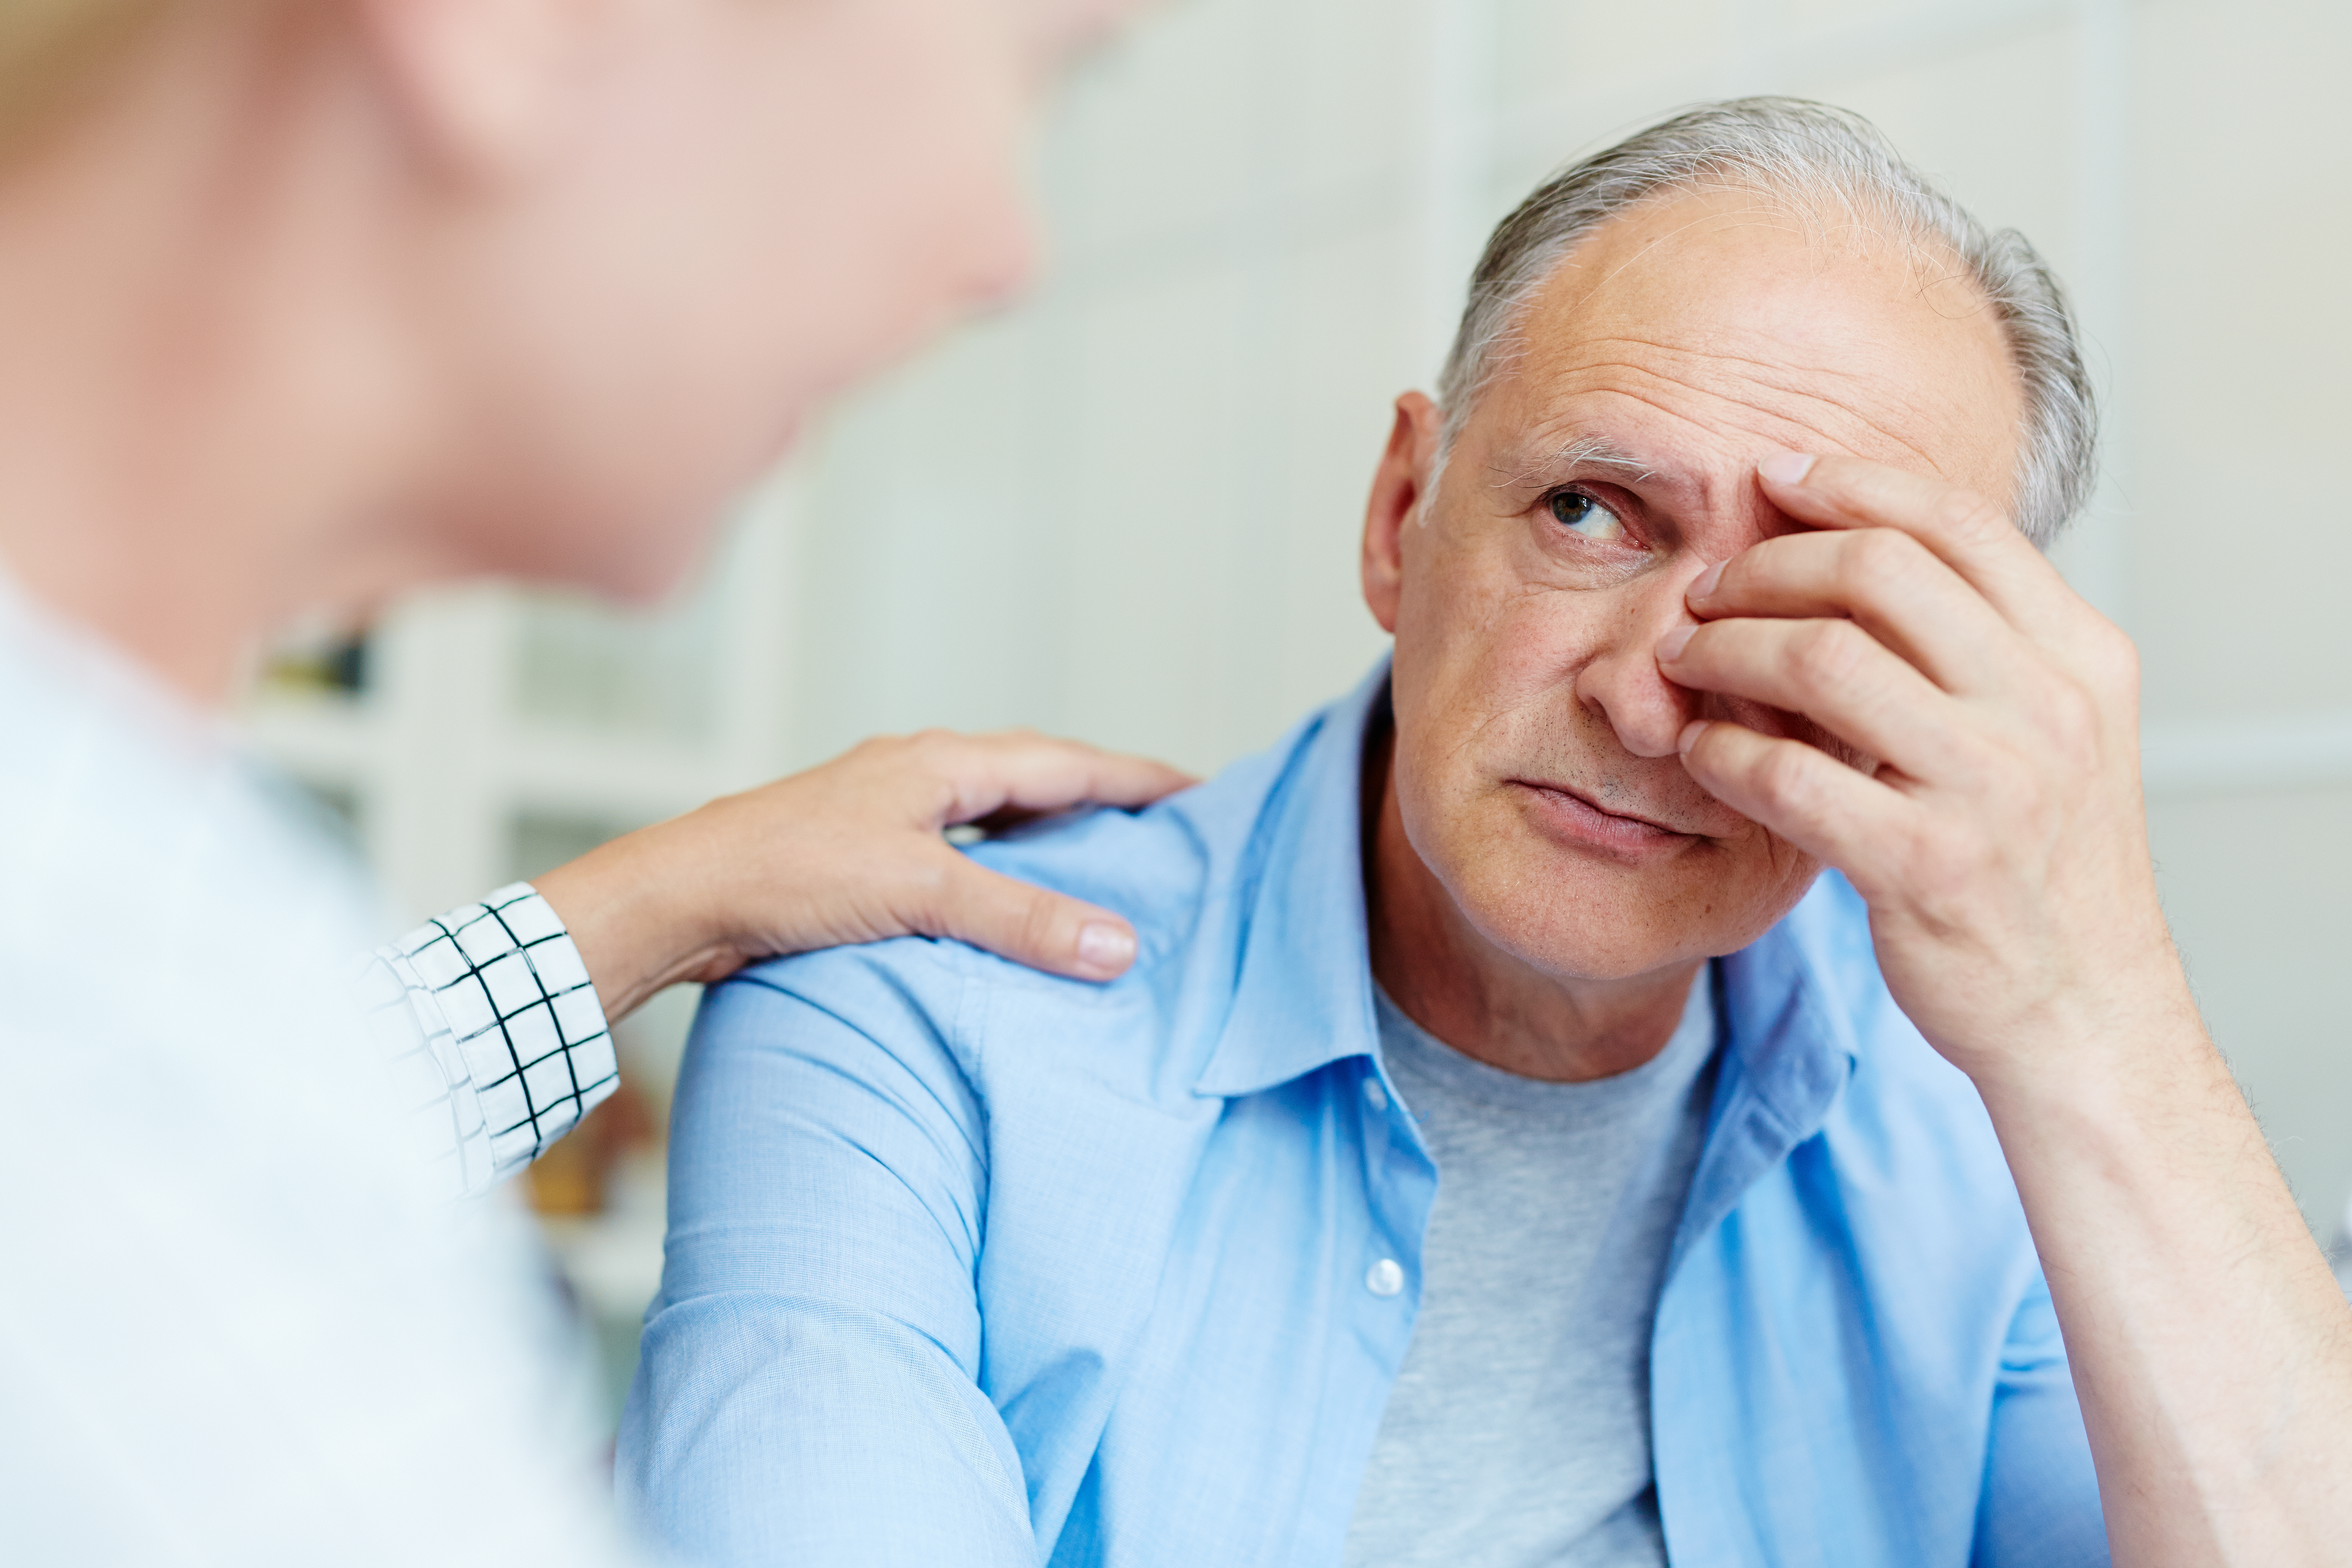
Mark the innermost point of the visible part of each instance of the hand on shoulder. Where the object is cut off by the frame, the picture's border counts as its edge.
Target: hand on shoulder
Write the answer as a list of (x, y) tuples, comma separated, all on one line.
[(850, 851)]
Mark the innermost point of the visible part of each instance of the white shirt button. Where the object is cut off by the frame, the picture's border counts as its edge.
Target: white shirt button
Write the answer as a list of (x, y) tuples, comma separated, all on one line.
[(1385, 1277), (1374, 1095)]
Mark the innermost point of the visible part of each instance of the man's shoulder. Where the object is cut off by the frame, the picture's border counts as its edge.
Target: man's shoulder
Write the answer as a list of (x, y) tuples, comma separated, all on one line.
[(1174, 869), (1160, 866)]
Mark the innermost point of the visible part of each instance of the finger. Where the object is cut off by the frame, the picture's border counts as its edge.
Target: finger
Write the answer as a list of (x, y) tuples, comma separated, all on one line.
[(1963, 529), (1828, 810), (1027, 924), (1044, 773), (1041, 773), (1832, 672), (1889, 584)]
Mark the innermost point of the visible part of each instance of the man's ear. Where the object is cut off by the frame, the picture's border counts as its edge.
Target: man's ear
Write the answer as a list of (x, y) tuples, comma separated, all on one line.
[(1400, 489), (485, 86)]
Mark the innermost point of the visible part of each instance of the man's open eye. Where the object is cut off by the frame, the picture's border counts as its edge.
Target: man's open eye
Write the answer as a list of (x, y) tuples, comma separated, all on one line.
[(1579, 513)]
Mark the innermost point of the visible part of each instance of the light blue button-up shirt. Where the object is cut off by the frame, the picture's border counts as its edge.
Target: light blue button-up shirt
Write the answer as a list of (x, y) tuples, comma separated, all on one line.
[(969, 1265)]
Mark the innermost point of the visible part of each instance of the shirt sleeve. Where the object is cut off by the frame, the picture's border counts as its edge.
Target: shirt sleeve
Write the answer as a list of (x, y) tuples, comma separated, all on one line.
[(2040, 1502), (493, 1032), (809, 1385)]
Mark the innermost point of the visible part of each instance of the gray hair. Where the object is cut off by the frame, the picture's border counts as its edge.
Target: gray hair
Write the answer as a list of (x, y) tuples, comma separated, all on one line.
[(1794, 149)]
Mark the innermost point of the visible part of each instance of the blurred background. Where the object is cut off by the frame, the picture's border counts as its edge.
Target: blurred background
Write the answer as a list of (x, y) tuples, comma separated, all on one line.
[(1127, 510)]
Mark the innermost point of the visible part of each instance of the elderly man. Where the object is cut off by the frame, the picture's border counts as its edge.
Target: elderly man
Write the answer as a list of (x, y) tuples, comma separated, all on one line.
[(1509, 1146)]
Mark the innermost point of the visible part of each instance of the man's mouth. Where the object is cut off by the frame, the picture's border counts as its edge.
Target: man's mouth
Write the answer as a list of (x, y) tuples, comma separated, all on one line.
[(1575, 815)]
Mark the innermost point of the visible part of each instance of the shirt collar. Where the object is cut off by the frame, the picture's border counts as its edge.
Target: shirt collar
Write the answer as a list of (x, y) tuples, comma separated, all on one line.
[(1789, 1048), (1788, 1022), (1305, 995)]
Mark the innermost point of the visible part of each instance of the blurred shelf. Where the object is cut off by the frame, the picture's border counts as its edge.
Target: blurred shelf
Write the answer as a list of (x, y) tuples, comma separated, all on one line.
[(344, 743), (578, 770), (321, 738)]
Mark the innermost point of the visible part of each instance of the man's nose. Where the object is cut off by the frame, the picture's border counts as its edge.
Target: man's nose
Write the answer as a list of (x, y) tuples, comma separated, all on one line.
[(1622, 682)]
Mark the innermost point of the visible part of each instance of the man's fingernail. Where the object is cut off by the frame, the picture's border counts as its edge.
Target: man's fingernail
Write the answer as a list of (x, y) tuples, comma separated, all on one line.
[(1670, 647), (1104, 946), (1689, 737), (1704, 584), (1785, 468)]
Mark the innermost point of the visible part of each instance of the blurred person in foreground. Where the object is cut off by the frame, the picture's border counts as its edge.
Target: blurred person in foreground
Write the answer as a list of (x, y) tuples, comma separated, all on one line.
[(308, 302), (1509, 1146)]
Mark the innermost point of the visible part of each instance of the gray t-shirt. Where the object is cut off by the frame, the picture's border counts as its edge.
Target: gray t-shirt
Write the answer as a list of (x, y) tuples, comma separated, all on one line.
[(1518, 1432)]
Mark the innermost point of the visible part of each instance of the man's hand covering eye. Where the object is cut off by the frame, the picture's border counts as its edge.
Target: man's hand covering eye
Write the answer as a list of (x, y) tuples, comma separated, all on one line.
[(2000, 841)]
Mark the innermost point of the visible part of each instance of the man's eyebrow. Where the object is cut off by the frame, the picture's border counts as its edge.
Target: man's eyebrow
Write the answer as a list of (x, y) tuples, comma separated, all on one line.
[(1527, 464)]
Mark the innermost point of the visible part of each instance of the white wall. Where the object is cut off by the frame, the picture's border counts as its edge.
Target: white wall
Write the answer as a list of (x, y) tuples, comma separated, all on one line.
[(2240, 533)]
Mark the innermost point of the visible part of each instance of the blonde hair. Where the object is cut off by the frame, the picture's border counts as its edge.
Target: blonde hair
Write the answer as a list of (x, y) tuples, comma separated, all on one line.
[(50, 50)]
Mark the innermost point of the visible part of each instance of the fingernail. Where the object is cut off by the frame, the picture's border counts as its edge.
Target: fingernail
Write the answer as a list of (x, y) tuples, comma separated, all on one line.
[(1704, 584), (1107, 947), (1670, 647), (1785, 468), (1689, 737)]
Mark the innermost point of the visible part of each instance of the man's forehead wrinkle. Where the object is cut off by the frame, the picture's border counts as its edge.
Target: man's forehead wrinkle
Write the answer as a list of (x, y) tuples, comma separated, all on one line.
[(1775, 374), (1778, 375)]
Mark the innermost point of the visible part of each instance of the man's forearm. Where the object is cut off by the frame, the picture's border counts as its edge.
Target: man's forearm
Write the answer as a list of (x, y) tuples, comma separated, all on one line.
[(2211, 1346), (2002, 848)]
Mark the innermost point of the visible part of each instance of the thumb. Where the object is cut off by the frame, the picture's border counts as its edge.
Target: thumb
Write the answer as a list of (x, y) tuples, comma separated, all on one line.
[(1028, 924)]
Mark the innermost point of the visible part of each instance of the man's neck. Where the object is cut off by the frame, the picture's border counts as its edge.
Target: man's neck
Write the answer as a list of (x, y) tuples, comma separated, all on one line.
[(1482, 999)]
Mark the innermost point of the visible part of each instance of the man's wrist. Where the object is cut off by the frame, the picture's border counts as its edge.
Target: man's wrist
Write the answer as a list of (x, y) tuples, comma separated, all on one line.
[(2138, 1018), (2116, 1068)]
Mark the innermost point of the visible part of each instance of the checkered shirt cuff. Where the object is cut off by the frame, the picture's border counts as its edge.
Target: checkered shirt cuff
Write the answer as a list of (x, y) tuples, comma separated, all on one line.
[(493, 1032)]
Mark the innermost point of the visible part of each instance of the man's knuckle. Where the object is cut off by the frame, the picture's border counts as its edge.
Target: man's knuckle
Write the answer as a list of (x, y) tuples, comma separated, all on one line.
[(2114, 658), (1876, 565), (2066, 725), (942, 752), (1824, 654), (1783, 779), (2074, 709), (1966, 517), (1038, 918), (1872, 553)]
